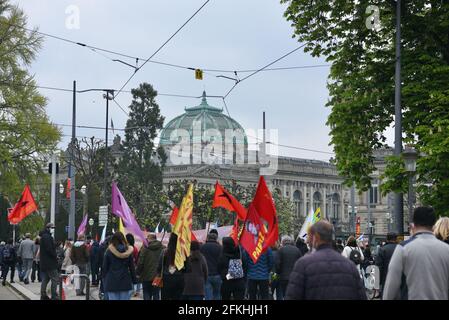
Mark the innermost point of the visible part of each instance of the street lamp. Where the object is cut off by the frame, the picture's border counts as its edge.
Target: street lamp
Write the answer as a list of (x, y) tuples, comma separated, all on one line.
[(410, 155), (83, 191), (91, 223), (61, 188)]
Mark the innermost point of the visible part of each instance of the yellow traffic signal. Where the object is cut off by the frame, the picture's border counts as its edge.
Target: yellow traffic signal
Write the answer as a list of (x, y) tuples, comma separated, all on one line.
[(199, 74)]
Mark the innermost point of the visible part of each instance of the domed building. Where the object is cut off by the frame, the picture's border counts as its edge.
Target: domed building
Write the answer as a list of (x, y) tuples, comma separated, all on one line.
[(204, 135), (205, 145)]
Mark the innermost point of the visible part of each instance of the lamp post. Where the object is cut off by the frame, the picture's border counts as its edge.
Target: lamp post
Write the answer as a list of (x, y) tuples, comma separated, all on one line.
[(91, 223), (83, 191), (410, 156)]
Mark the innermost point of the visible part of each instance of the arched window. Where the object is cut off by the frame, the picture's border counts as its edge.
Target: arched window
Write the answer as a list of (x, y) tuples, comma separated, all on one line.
[(297, 200), (316, 201)]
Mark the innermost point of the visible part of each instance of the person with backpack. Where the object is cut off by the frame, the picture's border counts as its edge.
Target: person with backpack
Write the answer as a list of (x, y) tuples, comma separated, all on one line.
[(259, 274), (325, 274), (230, 267), (9, 259), (353, 253), (285, 260), (195, 274), (211, 250)]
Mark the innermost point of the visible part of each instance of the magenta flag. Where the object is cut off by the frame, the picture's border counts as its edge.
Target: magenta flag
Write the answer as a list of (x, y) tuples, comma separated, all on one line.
[(82, 227), (121, 209)]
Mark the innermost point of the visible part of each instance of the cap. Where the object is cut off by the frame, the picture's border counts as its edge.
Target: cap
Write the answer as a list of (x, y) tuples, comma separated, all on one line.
[(50, 225)]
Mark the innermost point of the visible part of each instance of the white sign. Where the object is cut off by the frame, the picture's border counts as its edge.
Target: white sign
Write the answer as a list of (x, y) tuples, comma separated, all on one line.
[(102, 216)]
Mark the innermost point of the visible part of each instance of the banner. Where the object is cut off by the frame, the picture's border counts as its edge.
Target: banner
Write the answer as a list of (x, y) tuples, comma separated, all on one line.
[(183, 229), (253, 235), (24, 207)]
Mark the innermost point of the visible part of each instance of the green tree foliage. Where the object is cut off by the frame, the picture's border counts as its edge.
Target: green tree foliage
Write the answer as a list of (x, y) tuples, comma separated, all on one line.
[(289, 224), (26, 135), (361, 84), (139, 171), (31, 224)]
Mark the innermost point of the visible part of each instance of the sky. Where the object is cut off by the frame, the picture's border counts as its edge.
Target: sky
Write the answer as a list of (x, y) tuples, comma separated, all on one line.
[(225, 34)]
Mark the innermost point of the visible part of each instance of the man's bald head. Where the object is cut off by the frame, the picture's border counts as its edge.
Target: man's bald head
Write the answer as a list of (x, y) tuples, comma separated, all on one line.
[(322, 231)]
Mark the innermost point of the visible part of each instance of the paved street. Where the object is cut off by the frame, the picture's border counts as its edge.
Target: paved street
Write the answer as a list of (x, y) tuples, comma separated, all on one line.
[(7, 293)]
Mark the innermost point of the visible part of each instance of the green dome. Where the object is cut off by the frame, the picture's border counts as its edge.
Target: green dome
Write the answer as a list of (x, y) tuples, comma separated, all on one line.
[(204, 124)]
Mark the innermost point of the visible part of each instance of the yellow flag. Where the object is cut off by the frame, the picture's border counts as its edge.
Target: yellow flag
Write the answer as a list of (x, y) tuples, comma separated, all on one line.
[(183, 229), (317, 215), (121, 228)]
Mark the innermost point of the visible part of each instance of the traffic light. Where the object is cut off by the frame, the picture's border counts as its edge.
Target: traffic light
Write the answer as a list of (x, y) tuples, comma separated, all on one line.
[(50, 169), (199, 74)]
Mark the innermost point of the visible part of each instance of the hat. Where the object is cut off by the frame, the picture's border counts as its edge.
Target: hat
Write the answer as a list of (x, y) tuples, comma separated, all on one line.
[(50, 225)]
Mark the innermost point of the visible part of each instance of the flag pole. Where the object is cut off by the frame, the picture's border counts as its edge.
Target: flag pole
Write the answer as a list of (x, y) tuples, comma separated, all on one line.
[(13, 234)]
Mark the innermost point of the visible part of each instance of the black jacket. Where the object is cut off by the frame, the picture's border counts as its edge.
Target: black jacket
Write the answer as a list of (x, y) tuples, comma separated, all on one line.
[(195, 275), (118, 269), (285, 260), (325, 275), (211, 250), (383, 260), (48, 258)]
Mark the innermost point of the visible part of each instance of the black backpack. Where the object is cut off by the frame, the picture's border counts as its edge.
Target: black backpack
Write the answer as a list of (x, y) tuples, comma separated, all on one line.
[(355, 256), (8, 254)]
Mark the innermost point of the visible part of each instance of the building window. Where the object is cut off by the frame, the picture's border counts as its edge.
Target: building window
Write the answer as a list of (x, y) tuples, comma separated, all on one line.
[(297, 200), (316, 201), (373, 194), (335, 206)]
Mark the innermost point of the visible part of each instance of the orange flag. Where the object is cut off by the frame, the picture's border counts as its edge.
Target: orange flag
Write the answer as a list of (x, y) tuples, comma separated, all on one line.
[(174, 216), (25, 206), (223, 199)]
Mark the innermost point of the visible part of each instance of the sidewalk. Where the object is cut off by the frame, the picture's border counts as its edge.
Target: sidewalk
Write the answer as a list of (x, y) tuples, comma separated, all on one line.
[(32, 291)]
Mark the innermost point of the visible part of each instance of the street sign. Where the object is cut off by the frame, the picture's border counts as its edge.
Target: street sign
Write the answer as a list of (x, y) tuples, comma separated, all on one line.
[(102, 216)]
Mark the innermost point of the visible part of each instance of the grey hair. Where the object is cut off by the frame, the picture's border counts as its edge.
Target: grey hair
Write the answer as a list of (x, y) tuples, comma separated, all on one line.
[(286, 239)]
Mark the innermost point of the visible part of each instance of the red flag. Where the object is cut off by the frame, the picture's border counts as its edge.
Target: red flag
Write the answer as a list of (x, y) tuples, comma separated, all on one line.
[(236, 231), (174, 216), (253, 238), (223, 199), (194, 237), (25, 206), (264, 205), (68, 189)]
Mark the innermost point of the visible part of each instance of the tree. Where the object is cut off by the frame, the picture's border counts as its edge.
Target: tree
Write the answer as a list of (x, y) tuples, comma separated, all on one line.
[(361, 84), (139, 171), (26, 135)]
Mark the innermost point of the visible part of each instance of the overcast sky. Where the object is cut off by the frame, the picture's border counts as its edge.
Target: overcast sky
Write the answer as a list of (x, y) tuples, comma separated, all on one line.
[(226, 34)]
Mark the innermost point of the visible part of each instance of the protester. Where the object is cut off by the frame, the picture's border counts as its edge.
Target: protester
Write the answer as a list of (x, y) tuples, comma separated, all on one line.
[(419, 267), (258, 274), (118, 269), (36, 262), (80, 256), (60, 254), (66, 266), (353, 253), (172, 277), (285, 261), (325, 274), (441, 229), (131, 241), (274, 283), (302, 246), (147, 267), (340, 246), (48, 263), (384, 256), (26, 253), (19, 262), (103, 248), (211, 250), (367, 257), (9, 259), (195, 274), (94, 265), (230, 267)]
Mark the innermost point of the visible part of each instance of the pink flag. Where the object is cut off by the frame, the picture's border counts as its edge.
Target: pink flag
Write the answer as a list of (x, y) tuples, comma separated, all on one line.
[(82, 227), (121, 209)]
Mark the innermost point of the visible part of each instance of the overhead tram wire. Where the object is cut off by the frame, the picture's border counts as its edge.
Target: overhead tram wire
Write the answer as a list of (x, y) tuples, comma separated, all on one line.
[(162, 46), (261, 69)]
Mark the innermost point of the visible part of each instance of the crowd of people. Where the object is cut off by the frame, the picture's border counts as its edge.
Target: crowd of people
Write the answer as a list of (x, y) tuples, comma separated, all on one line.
[(218, 269)]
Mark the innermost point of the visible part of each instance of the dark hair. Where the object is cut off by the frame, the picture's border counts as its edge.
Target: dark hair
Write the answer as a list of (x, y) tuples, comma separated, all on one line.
[(351, 242), (214, 231), (212, 237), (37, 241), (339, 241), (324, 230), (117, 239), (195, 253), (130, 239), (171, 249), (229, 246), (424, 217), (391, 236), (10, 241)]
